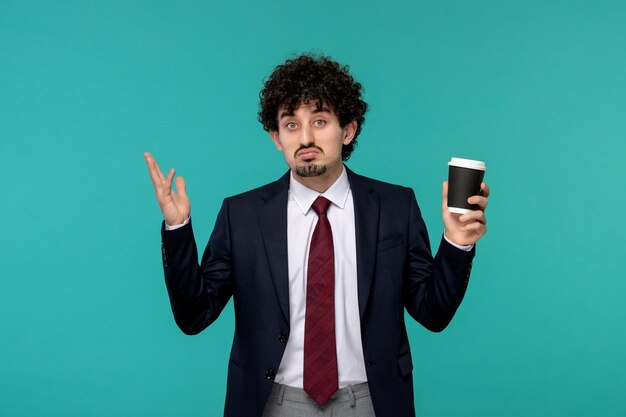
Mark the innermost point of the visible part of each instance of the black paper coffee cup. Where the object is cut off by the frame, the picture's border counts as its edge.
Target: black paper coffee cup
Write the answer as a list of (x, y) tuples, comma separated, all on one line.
[(464, 178)]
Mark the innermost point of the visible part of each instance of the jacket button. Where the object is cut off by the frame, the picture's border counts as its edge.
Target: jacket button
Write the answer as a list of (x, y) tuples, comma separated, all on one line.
[(269, 374), (164, 252), (282, 337)]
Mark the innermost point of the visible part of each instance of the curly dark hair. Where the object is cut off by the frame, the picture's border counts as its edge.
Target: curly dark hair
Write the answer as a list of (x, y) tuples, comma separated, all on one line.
[(314, 78)]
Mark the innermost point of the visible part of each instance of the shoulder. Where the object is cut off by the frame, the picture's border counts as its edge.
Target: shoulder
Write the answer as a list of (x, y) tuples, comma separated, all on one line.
[(382, 188), (263, 193), (395, 201)]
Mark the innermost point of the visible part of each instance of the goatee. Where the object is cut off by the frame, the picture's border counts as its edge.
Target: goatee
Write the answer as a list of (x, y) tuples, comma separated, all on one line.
[(312, 170)]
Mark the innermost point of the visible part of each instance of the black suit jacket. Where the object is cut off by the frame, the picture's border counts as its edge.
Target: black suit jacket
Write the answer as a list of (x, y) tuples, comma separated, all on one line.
[(246, 258)]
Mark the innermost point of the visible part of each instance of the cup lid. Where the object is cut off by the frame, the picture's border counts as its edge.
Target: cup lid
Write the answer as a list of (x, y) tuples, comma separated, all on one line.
[(467, 163)]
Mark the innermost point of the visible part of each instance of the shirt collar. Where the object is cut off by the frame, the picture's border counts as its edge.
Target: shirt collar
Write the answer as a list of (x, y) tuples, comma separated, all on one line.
[(336, 193)]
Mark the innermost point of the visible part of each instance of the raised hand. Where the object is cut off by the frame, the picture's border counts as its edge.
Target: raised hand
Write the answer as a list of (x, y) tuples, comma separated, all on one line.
[(468, 228), (175, 205)]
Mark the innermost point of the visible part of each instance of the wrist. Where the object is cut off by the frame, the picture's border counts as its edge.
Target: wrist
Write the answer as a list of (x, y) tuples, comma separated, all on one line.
[(177, 225), (457, 241)]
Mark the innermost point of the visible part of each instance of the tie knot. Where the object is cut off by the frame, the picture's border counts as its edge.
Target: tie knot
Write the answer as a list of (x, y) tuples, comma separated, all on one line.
[(320, 205)]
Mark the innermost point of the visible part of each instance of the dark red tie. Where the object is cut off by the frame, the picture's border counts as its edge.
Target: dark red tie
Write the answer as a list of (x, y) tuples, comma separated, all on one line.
[(320, 351)]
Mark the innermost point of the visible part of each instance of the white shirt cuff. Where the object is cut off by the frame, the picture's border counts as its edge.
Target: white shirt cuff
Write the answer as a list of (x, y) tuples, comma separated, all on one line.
[(465, 248), (178, 226)]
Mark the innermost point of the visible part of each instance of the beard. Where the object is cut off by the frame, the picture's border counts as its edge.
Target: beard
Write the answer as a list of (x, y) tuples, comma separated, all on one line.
[(310, 170)]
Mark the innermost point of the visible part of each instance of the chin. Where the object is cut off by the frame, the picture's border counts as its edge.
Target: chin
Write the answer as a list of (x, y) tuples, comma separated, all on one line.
[(310, 170)]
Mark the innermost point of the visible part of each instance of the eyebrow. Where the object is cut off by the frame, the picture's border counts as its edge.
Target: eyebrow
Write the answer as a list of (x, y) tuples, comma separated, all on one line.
[(323, 109), (286, 114)]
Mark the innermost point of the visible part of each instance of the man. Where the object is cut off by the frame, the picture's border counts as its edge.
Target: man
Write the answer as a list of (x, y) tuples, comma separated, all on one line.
[(321, 263)]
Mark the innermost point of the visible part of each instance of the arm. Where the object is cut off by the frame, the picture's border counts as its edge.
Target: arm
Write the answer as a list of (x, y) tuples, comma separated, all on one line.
[(198, 293), (434, 286)]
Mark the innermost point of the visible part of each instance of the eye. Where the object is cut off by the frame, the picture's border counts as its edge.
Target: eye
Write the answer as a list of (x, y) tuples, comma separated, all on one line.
[(319, 122), (291, 125)]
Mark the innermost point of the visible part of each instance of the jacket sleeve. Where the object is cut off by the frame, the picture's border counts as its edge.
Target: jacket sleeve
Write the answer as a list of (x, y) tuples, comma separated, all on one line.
[(198, 293), (434, 286)]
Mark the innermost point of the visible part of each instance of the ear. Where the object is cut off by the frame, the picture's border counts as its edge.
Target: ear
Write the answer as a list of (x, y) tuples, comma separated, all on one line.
[(349, 131), (276, 139)]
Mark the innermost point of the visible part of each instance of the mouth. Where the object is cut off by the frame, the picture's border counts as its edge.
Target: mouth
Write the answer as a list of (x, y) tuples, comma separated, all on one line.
[(308, 154)]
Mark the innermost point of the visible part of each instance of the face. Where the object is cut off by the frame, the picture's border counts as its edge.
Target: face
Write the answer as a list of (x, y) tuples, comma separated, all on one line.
[(311, 140)]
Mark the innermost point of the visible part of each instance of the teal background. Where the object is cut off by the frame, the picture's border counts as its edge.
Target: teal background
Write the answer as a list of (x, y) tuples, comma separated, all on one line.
[(536, 89)]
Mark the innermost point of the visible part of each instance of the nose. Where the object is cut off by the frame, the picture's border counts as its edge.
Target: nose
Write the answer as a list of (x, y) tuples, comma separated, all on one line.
[(306, 136)]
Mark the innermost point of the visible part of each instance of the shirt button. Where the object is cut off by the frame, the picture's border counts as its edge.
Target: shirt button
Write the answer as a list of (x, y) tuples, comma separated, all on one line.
[(269, 374)]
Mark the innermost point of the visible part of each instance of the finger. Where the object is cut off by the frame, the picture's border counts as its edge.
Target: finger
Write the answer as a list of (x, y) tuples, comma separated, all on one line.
[(484, 189), (444, 195), (170, 177), (475, 227), (181, 187), (475, 215), (155, 166), (155, 174), (158, 169), (482, 202)]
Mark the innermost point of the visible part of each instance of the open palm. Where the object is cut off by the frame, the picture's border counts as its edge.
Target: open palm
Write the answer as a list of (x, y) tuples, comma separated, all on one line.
[(175, 205)]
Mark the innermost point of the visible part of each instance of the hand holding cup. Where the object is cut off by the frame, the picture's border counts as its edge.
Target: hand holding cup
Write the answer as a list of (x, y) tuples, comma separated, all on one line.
[(465, 198)]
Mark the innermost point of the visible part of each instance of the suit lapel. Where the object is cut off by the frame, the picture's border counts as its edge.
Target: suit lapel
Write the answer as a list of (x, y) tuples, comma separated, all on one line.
[(366, 212), (273, 220)]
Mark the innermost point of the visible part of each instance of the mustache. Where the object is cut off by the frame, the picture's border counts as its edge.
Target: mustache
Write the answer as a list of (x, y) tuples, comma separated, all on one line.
[(302, 147)]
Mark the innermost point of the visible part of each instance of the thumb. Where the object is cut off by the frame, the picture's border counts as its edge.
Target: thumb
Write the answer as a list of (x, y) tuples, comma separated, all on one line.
[(181, 188), (444, 195)]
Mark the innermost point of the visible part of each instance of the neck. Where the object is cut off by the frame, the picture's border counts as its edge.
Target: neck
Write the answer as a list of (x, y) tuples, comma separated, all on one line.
[(320, 183)]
